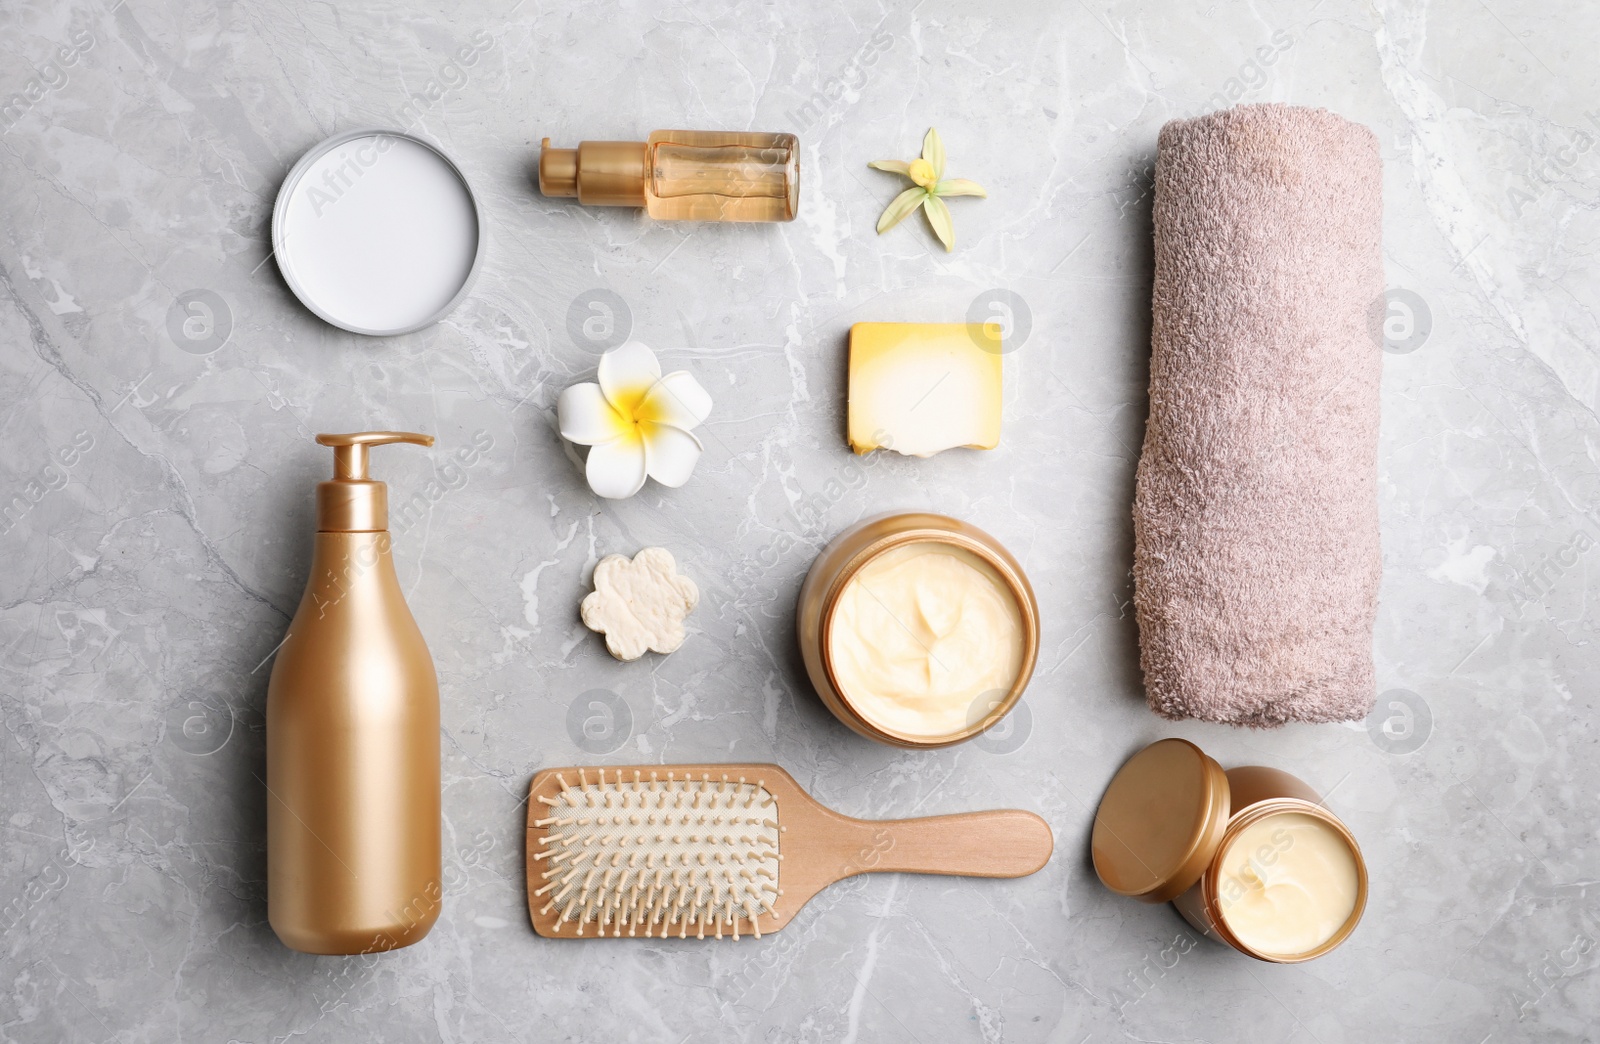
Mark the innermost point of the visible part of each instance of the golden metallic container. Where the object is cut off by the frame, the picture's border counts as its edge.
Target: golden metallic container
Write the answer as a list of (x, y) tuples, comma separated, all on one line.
[(851, 551), (353, 795), (1169, 814)]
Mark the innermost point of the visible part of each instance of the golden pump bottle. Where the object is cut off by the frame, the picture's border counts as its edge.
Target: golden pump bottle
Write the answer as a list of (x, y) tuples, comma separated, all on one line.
[(682, 175), (353, 736)]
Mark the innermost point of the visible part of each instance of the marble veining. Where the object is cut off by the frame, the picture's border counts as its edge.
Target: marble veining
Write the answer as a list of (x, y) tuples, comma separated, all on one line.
[(160, 387)]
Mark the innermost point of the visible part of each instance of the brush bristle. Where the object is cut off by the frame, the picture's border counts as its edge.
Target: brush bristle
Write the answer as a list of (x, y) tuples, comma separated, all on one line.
[(659, 857)]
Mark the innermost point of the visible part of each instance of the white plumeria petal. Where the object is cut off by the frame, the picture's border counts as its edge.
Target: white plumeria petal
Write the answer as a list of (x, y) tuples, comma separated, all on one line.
[(585, 417), (677, 400), (670, 453), (616, 469), (626, 374)]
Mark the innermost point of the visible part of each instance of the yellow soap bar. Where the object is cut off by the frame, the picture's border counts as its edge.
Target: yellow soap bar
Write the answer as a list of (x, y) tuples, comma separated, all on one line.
[(919, 388)]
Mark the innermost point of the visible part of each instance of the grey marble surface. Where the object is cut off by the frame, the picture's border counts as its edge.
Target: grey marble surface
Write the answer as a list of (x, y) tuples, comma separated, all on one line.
[(160, 477)]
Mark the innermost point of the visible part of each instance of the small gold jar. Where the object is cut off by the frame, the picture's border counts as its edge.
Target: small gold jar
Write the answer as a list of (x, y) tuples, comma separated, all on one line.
[(869, 542), (1170, 821)]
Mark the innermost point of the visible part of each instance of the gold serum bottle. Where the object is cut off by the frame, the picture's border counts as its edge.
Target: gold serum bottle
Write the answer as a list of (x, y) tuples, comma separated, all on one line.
[(353, 736), (682, 175)]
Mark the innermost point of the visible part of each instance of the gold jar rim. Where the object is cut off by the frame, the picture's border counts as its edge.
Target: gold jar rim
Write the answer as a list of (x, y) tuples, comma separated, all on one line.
[(1016, 585), (1253, 814)]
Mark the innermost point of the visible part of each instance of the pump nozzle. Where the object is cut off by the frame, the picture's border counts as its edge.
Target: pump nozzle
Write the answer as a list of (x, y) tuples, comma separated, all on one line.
[(350, 451), (351, 502), (599, 173)]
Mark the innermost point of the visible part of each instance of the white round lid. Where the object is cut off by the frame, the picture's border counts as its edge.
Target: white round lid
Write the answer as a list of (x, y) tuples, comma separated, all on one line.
[(377, 232)]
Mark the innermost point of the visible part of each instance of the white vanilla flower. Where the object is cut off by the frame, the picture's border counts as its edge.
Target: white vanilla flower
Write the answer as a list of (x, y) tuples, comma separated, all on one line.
[(635, 421)]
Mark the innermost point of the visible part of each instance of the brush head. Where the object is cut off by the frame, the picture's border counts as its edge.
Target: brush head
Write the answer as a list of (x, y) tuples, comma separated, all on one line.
[(651, 856)]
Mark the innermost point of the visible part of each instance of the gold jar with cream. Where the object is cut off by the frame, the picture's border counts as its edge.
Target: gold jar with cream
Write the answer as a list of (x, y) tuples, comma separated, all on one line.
[(1249, 856), (918, 630)]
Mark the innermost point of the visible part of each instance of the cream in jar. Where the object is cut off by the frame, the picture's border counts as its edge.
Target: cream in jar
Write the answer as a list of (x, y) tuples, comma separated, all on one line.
[(919, 634), (1288, 884)]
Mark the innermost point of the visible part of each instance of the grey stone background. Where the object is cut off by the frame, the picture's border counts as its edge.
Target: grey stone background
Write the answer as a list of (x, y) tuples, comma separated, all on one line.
[(159, 476)]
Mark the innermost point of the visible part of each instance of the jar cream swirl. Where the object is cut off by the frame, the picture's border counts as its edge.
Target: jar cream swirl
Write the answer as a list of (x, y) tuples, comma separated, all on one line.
[(918, 630)]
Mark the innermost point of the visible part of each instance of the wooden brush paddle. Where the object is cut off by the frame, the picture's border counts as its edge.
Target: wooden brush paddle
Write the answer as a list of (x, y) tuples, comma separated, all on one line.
[(659, 850)]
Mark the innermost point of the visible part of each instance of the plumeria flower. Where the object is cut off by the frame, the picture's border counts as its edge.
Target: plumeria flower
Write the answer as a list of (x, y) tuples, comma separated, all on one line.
[(635, 422), (928, 189)]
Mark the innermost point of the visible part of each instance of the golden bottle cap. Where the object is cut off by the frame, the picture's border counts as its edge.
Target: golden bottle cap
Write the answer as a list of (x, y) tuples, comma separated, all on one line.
[(1160, 821), (351, 502), (558, 170), (599, 173)]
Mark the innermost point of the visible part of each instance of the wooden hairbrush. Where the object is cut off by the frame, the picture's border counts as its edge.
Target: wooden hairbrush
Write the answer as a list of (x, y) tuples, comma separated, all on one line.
[(680, 850)]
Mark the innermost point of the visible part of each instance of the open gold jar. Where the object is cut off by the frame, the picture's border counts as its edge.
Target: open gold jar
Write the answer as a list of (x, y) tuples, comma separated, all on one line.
[(1249, 856), (918, 630)]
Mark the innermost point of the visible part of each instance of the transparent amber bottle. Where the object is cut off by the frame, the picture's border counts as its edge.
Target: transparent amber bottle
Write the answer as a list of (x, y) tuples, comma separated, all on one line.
[(682, 175)]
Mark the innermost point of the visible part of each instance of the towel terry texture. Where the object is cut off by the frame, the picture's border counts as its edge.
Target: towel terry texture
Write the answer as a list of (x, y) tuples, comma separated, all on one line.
[(1256, 559)]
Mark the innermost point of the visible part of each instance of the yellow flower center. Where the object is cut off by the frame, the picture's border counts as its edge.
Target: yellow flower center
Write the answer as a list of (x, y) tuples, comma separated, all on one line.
[(922, 173)]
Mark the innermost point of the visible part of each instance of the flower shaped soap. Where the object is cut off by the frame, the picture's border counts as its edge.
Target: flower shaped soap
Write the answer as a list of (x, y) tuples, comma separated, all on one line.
[(635, 422), (639, 604)]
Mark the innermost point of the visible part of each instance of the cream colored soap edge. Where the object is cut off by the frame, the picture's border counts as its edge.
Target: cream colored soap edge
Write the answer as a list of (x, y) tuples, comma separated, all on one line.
[(894, 355)]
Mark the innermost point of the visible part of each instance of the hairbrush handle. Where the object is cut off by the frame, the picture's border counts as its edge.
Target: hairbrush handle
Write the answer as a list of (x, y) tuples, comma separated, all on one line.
[(1003, 843)]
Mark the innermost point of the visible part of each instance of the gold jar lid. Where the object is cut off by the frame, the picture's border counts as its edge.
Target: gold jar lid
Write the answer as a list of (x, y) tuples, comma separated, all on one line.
[(1159, 824)]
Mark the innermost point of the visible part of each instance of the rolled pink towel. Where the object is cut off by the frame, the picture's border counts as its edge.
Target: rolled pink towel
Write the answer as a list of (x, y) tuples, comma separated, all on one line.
[(1256, 559)]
